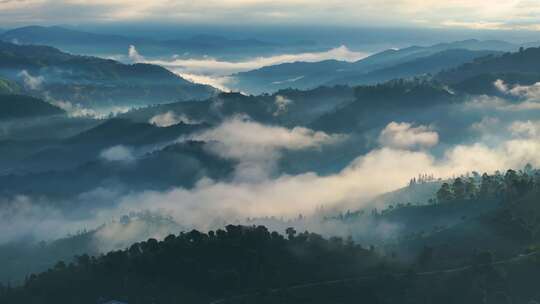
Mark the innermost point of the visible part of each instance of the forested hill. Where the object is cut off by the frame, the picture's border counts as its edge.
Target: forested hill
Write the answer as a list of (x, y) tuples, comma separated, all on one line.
[(20, 106), (197, 267), (377, 68), (477, 77), (380, 103), (93, 81), (250, 264)]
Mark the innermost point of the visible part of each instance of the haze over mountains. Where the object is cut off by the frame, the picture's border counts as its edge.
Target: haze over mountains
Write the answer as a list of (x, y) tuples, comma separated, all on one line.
[(189, 58), (415, 171), (80, 42), (380, 67)]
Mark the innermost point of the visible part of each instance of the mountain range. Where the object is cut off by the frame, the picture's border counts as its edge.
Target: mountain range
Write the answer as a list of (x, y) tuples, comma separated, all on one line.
[(379, 67), (61, 142), (82, 42), (92, 82)]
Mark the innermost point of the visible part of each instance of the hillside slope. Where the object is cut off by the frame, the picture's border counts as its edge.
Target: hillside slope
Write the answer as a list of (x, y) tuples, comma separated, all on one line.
[(91, 81)]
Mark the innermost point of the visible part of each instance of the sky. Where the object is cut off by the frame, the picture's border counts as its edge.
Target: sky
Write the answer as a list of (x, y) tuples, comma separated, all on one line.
[(469, 14)]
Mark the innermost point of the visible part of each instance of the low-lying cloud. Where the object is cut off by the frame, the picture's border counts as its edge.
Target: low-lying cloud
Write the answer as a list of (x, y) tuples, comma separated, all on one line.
[(525, 91), (257, 189), (22, 218), (31, 82), (118, 153), (282, 104), (381, 170), (257, 147), (406, 136), (528, 98), (170, 118), (215, 71), (78, 110), (377, 172), (500, 104)]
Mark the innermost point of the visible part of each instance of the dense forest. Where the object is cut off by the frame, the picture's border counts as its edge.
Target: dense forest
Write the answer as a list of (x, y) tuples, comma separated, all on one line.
[(21, 106)]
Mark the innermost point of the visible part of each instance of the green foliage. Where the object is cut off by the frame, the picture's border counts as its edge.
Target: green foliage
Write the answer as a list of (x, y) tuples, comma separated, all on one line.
[(197, 266), (510, 187), (20, 106), (375, 105), (477, 77)]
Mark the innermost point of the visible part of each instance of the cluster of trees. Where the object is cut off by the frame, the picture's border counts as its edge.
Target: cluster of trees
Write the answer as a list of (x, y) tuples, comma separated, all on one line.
[(422, 179), (477, 76), (197, 267), (418, 91), (509, 186)]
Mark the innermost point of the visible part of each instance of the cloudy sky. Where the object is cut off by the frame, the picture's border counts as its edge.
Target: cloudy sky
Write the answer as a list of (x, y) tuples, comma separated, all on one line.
[(476, 14)]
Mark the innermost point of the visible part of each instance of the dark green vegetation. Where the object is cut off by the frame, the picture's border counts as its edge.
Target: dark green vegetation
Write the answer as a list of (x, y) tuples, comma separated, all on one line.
[(477, 77), (196, 268), (91, 81), (22, 257), (75, 162), (496, 213), (20, 106), (301, 107), (377, 104)]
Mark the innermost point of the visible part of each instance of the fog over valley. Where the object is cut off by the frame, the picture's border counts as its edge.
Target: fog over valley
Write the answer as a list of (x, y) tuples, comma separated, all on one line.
[(254, 152)]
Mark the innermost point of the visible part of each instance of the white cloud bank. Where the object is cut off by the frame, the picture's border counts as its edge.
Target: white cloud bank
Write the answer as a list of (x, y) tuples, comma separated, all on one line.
[(528, 98), (379, 171), (528, 92), (405, 136), (213, 66), (257, 147)]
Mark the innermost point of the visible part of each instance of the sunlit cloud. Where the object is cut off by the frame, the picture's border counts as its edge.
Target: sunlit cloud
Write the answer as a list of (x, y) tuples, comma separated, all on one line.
[(406, 136), (257, 147), (475, 14)]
